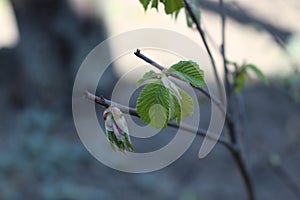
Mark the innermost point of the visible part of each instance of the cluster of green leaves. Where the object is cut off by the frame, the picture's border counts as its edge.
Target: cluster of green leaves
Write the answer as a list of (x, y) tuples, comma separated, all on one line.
[(173, 7), (162, 101), (241, 74)]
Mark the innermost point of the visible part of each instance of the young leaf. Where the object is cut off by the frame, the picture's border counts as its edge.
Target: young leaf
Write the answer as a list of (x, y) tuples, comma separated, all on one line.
[(152, 95), (116, 129), (176, 13), (171, 86), (172, 6), (187, 104), (241, 74), (147, 76), (257, 72), (189, 20), (145, 3), (189, 72), (158, 116), (240, 81), (128, 143), (182, 108), (175, 109), (154, 4)]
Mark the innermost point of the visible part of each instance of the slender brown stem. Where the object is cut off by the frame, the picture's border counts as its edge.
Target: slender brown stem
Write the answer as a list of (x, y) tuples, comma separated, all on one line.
[(132, 111), (202, 35)]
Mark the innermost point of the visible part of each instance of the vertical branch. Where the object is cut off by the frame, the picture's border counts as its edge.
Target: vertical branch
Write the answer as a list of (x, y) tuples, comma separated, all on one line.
[(244, 173), (223, 51), (231, 125)]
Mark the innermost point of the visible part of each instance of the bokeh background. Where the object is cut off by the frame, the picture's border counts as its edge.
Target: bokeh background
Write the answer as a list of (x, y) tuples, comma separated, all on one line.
[(42, 44)]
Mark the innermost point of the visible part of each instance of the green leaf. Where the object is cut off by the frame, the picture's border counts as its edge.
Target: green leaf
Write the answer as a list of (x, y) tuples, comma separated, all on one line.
[(189, 20), (188, 71), (240, 81), (154, 4), (114, 141), (175, 109), (154, 94), (187, 104), (145, 3), (171, 86), (147, 76), (182, 109), (241, 74), (172, 6), (162, 101), (128, 143), (257, 72), (158, 116), (111, 139), (176, 13)]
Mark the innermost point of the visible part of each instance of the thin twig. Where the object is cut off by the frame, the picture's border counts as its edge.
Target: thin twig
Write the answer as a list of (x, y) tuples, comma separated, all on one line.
[(132, 111), (106, 103), (148, 60), (202, 34), (223, 51)]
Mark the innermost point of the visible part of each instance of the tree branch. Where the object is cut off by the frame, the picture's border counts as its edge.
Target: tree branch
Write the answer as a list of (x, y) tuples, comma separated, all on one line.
[(244, 173), (223, 52), (148, 60), (231, 125), (132, 111), (202, 34)]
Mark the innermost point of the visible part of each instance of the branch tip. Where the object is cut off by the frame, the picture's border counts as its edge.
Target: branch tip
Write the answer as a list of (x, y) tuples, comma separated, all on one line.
[(137, 51)]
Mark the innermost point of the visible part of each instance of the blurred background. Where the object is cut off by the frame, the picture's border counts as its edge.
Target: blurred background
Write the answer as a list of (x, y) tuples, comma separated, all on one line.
[(43, 43)]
